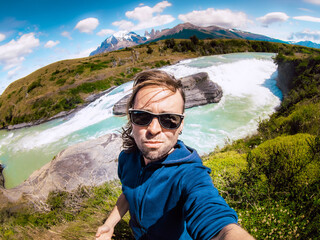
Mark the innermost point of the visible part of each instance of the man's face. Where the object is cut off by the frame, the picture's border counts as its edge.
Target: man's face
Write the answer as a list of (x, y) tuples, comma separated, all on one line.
[(154, 141)]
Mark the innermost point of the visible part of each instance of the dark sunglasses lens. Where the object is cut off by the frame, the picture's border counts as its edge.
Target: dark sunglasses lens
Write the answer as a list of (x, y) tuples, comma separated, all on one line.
[(170, 121), (141, 118)]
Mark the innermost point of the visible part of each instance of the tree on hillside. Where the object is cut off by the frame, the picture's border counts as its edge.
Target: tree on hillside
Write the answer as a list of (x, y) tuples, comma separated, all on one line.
[(170, 43), (149, 50)]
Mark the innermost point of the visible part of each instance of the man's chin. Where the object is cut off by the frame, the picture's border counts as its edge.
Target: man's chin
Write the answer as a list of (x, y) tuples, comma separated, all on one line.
[(154, 155)]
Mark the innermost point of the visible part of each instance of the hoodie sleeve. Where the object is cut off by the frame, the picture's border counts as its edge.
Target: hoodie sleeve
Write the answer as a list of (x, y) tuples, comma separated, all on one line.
[(205, 211), (120, 163)]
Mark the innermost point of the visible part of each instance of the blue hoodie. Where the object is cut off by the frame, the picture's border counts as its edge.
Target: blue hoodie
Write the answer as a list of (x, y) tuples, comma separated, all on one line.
[(173, 198)]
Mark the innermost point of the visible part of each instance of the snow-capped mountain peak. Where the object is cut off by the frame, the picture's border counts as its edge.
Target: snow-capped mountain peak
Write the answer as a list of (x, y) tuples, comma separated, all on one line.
[(121, 34), (119, 40)]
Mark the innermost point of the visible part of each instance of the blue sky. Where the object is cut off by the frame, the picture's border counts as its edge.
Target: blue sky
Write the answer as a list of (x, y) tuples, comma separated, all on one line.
[(35, 33)]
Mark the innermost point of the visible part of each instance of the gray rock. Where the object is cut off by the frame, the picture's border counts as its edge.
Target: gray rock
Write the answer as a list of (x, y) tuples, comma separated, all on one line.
[(89, 163), (198, 88), (1, 177), (285, 77)]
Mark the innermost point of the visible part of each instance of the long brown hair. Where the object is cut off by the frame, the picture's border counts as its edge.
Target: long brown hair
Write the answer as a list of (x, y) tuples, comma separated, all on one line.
[(143, 79)]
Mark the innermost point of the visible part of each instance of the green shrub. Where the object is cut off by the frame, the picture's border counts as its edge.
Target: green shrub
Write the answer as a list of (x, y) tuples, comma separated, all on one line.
[(57, 71), (273, 220), (283, 165), (303, 118), (170, 43), (42, 103), (118, 81), (34, 85), (149, 50), (89, 87), (56, 199), (61, 81), (68, 103)]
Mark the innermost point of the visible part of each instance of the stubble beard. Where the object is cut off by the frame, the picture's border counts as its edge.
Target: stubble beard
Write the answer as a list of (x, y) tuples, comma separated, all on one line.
[(154, 155)]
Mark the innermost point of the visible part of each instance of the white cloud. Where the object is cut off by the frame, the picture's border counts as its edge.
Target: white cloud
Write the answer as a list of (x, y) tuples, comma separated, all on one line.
[(12, 73), (83, 53), (273, 17), (307, 18), (51, 44), (124, 25), (2, 37), (223, 18), (105, 32), (306, 35), (146, 16), (66, 34), (12, 54), (305, 9), (145, 13), (87, 25), (313, 1)]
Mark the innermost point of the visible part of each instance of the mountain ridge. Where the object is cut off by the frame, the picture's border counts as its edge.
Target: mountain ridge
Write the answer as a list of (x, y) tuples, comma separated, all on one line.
[(124, 39), (306, 44)]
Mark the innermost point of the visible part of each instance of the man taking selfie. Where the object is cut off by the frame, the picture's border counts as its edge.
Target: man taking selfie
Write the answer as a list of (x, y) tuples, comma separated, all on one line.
[(165, 186)]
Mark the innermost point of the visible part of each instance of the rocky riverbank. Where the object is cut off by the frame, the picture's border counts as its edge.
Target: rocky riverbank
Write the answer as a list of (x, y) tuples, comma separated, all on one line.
[(89, 163), (1, 177)]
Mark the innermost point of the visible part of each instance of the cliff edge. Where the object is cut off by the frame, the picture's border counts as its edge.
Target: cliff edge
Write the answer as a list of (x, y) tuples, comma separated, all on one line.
[(285, 77)]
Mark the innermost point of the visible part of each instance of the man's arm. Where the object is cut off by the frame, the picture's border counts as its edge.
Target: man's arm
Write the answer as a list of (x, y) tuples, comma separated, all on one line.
[(233, 232), (105, 231)]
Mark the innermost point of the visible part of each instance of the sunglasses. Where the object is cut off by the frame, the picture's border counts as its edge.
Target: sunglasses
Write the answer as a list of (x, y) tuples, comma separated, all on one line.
[(166, 120)]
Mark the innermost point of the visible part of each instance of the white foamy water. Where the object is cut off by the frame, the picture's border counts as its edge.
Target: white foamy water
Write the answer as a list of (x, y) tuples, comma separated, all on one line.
[(94, 113), (250, 94)]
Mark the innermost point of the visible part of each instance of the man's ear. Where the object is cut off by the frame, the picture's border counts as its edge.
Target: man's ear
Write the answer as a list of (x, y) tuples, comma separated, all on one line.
[(181, 127)]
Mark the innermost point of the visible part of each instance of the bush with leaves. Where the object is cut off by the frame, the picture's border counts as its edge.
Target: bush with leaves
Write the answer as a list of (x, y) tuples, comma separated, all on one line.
[(282, 166)]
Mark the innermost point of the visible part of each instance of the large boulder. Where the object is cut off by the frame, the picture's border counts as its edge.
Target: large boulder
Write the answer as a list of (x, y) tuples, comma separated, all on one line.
[(89, 163), (198, 88)]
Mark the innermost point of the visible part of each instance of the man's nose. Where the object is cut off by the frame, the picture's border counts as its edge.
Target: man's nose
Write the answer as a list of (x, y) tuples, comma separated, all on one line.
[(154, 127)]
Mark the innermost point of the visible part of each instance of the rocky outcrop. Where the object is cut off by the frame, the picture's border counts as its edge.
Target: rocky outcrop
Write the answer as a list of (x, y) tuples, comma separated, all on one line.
[(1, 177), (89, 163), (198, 88), (285, 77)]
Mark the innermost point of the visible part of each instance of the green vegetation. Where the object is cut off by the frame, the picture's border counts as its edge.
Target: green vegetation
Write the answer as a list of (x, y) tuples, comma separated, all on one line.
[(65, 215), (34, 85), (276, 192)]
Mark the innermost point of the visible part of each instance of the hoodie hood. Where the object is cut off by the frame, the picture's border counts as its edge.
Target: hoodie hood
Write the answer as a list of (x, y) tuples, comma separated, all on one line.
[(181, 154)]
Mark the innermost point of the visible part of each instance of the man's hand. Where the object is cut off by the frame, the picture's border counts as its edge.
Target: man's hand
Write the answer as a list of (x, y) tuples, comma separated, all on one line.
[(104, 233)]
